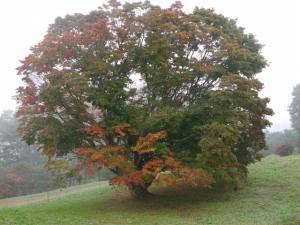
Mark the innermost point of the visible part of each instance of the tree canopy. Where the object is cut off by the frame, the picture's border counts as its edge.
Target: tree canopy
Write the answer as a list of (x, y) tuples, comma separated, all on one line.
[(155, 95)]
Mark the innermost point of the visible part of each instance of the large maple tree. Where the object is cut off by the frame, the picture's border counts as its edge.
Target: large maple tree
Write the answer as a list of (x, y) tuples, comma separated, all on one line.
[(155, 95)]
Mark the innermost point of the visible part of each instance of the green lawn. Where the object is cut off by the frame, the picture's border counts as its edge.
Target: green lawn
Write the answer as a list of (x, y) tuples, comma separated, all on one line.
[(272, 196)]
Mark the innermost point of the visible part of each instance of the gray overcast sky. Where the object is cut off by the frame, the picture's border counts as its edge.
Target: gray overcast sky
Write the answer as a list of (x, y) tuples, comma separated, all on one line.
[(274, 23)]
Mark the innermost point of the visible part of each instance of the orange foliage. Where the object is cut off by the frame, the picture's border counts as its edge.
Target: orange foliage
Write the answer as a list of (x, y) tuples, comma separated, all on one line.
[(94, 130), (119, 129), (111, 157), (133, 178), (154, 167), (146, 144), (195, 177)]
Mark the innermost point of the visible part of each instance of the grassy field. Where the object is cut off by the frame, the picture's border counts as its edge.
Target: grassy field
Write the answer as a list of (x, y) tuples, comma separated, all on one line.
[(272, 196), (51, 195)]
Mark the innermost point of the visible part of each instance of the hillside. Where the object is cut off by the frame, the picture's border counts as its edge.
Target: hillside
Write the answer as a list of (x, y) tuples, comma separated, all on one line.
[(271, 197), (51, 195)]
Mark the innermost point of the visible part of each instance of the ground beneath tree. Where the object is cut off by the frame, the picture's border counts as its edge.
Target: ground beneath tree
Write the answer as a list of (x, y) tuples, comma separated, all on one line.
[(271, 197)]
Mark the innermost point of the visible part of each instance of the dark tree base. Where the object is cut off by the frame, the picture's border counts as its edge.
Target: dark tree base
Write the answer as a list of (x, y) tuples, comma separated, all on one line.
[(140, 192)]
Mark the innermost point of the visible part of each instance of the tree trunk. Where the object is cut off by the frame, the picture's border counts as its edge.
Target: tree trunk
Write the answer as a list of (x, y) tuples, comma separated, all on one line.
[(139, 191)]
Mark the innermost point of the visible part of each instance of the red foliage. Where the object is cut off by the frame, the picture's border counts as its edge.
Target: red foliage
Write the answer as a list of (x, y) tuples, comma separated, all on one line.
[(25, 110), (95, 130), (29, 100), (95, 31)]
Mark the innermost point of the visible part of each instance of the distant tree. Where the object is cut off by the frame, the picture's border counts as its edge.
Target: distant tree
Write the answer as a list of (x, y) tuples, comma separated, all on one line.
[(12, 148), (154, 95), (283, 149), (21, 166), (294, 108), (18, 160), (274, 139)]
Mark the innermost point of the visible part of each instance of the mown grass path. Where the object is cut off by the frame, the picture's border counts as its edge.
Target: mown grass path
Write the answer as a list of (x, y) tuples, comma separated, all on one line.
[(49, 196), (271, 197)]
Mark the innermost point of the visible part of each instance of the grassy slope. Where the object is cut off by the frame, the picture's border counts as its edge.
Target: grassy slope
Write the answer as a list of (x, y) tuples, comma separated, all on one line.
[(54, 194), (271, 197)]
